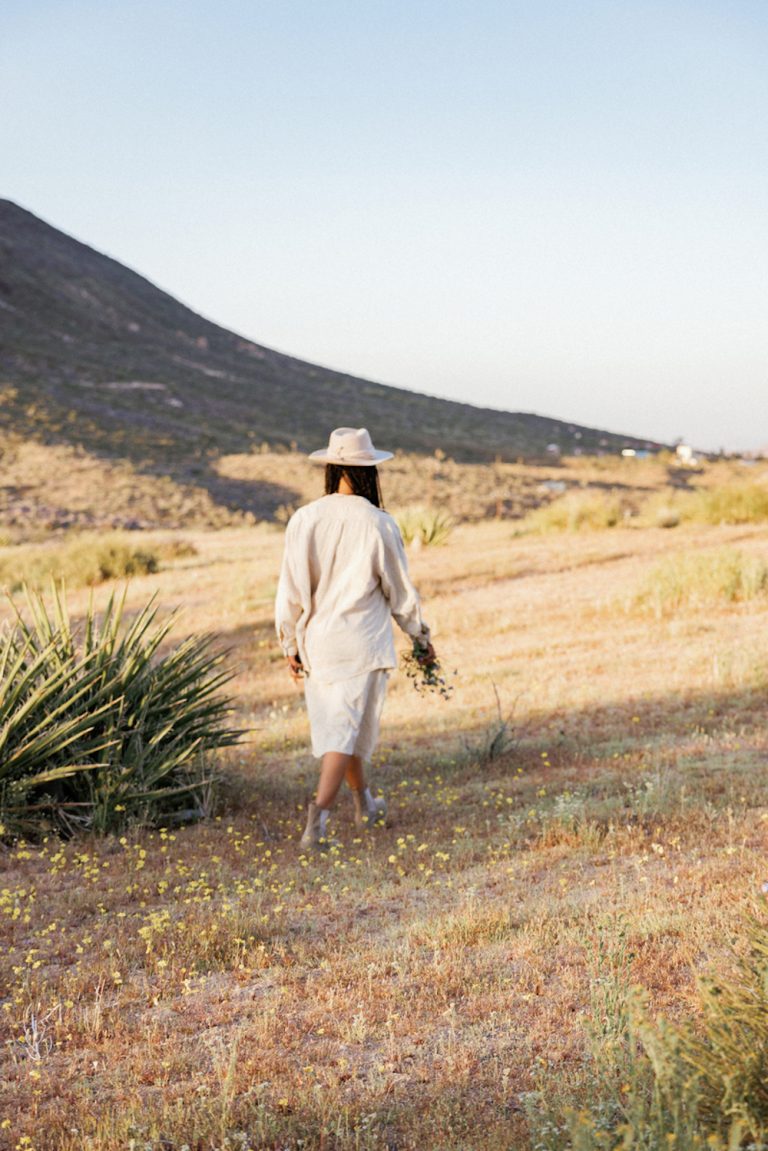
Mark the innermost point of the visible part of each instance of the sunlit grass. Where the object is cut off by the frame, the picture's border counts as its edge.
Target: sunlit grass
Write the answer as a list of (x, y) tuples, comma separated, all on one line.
[(702, 579), (210, 983)]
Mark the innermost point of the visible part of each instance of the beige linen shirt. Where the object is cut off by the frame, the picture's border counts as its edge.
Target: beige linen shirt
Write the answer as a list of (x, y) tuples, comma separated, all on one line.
[(344, 575)]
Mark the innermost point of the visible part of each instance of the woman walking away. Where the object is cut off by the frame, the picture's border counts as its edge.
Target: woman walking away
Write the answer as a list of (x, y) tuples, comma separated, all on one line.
[(344, 575)]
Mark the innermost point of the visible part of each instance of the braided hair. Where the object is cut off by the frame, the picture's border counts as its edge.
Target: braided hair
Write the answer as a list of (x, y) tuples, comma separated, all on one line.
[(364, 481)]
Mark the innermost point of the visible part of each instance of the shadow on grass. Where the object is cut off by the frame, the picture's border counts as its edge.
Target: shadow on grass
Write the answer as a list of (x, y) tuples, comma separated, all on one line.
[(694, 734)]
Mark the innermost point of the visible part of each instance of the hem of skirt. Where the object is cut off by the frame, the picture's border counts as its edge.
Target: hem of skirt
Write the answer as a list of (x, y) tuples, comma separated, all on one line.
[(326, 677), (365, 755)]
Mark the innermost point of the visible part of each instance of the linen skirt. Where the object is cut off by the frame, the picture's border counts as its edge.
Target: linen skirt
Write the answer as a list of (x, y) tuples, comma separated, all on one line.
[(345, 716)]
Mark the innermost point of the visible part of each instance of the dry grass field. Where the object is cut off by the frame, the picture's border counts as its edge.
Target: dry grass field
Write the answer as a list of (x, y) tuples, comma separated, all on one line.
[(211, 986), (50, 487)]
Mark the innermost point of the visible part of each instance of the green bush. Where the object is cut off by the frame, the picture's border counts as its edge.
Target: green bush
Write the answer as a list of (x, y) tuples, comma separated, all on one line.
[(699, 579), (738, 503), (664, 509), (175, 548), (734, 503), (424, 526), (81, 560), (576, 511), (97, 729), (695, 1086)]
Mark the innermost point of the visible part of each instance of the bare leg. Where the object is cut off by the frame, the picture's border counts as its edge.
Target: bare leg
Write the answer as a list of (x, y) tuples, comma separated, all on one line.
[(334, 767), (355, 773)]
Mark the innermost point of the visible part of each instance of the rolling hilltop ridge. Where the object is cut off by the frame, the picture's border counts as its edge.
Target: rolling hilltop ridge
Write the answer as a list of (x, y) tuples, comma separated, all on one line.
[(80, 332), (95, 359)]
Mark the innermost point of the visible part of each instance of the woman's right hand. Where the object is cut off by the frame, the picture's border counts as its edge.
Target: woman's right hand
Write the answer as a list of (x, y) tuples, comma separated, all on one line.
[(296, 668)]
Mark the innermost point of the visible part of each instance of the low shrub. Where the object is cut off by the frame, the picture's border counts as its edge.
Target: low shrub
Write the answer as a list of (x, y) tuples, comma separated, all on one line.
[(737, 503), (175, 548), (664, 509), (576, 511), (78, 561), (734, 503), (424, 527), (494, 740), (97, 728), (654, 1086), (699, 579)]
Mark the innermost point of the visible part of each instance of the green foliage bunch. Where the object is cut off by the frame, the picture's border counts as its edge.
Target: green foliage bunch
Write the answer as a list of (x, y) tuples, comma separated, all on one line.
[(576, 511), (100, 729), (740, 502), (736, 503), (702, 1085), (424, 527), (728, 1055), (701, 579), (664, 509), (78, 561)]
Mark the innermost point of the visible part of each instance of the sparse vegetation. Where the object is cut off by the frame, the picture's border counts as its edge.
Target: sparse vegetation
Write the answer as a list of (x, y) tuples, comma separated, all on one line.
[(662, 510), (496, 739), (665, 506), (84, 559), (436, 982), (576, 511), (702, 579), (735, 503), (700, 1084), (48, 489), (175, 548), (424, 527), (78, 561)]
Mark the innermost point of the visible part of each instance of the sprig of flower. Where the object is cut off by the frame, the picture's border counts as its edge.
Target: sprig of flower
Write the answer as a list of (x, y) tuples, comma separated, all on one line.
[(425, 673)]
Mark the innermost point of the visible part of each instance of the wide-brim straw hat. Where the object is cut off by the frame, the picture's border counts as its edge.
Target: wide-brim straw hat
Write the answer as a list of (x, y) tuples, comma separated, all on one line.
[(350, 446)]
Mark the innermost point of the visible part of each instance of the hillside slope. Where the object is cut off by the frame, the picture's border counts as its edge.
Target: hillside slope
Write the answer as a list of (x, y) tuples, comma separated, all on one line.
[(94, 355)]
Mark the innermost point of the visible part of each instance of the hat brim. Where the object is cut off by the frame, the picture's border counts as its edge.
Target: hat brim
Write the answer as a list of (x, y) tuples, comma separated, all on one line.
[(323, 456)]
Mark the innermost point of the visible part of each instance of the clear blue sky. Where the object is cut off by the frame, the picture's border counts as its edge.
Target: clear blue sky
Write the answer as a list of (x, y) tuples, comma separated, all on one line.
[(546, 206)]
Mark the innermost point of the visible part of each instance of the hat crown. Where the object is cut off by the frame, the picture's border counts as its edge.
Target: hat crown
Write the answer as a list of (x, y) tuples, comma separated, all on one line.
[(350, 444), (352, 447)]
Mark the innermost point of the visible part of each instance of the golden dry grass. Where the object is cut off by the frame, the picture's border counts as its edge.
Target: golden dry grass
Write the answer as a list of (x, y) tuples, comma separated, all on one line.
[(213, 986), (50, 488)]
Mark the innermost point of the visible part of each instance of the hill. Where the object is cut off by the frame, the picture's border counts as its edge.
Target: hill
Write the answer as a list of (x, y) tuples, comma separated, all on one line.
[(94, 356)]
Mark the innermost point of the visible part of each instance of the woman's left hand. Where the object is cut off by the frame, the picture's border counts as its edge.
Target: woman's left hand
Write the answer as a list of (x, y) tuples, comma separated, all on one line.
[(296, 667), (426, 655)]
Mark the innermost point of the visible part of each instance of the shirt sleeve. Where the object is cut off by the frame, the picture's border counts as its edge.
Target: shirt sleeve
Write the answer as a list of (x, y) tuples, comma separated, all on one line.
[(288, 600), (396, 583)]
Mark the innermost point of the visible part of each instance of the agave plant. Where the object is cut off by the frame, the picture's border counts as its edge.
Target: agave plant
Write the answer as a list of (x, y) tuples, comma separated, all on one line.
[(424, 527), (44, 728), (99, 729)]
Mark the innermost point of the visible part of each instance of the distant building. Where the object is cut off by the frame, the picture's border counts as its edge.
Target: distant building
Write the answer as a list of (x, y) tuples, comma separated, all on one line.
[(685, 455), (636, 453)]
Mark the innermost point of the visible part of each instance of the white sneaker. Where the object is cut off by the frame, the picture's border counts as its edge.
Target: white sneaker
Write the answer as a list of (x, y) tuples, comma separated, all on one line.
[(379, 813), (366, 816)]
